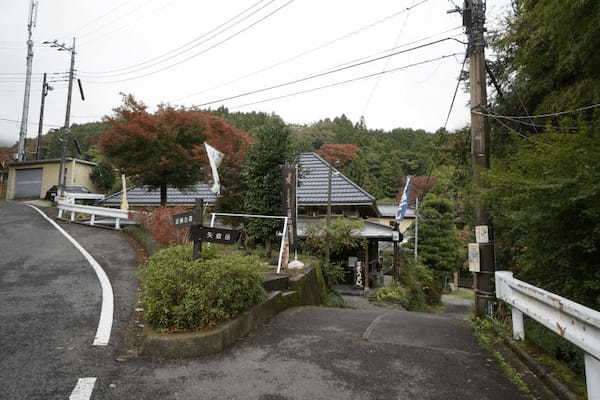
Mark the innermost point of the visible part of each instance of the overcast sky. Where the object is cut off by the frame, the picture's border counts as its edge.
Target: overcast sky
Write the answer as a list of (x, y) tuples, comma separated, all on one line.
[(179, 51)]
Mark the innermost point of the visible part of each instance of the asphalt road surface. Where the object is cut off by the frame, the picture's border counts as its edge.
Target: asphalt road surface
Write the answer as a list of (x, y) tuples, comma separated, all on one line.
[(50, 301)]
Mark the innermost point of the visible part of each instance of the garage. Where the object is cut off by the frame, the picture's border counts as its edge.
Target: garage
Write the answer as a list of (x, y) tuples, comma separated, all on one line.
[(28, 183)]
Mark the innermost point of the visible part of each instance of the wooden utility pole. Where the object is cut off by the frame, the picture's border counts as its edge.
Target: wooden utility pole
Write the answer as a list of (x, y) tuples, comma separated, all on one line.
[(474, 21), (328, 217), (45, 89), (67, 128)]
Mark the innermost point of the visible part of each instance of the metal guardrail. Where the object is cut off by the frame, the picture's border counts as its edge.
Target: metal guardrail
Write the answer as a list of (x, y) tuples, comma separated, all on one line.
[(578, 324), (93, 211), (85, 196)]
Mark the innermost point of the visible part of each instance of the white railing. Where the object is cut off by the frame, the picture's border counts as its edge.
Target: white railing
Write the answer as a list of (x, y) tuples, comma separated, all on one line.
[(578, 324), (84, 196), (92, 211)]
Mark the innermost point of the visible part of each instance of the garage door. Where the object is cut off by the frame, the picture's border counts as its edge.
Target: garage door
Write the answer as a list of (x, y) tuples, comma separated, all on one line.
[(29, 183)]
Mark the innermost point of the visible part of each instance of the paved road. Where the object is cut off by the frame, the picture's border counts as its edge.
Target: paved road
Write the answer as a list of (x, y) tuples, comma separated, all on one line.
[(50, 303)]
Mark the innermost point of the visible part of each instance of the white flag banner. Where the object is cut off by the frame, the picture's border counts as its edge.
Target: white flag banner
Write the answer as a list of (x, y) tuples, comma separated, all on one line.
[(214, 158)]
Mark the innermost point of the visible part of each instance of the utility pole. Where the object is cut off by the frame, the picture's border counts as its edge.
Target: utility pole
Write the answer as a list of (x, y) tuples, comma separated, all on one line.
[(25, 116), (67, 128), (45, 89), (474, 21)]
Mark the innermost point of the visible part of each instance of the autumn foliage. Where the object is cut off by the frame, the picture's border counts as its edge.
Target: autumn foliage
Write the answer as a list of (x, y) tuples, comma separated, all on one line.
[(157, 221), (165, 148), (338, 154)]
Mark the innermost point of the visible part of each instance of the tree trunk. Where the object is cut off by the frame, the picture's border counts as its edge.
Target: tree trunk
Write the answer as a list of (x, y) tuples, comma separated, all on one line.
[(163, 195), (268, 247)]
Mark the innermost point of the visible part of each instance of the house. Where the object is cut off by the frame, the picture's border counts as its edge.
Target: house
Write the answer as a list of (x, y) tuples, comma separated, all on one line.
[(33, 178)]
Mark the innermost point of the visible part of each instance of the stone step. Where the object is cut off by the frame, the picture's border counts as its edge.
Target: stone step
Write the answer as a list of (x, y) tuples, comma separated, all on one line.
[(272, 281)]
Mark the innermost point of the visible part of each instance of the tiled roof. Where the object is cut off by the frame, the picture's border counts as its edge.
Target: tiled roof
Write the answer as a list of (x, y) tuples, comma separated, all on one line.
[(140, 196), (313, 182)]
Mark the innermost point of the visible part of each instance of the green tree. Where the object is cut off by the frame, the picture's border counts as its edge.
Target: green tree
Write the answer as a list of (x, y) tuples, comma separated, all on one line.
[(261, 174), (546, 203), (103, 176), (439, 246)]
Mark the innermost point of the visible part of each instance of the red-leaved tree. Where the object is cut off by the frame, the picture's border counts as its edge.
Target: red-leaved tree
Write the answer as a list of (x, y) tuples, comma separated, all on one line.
[(338, 154), (166, 148)]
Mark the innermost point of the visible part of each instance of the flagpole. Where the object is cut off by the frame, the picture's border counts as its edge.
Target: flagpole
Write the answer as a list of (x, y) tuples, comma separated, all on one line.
[(416, 230)]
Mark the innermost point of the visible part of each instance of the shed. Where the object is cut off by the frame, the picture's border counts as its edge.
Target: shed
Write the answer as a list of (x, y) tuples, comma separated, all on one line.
[(33, 178)]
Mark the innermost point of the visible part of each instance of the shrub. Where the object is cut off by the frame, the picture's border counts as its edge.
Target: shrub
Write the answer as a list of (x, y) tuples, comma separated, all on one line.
[(332, 273), (157, 222), (179, 293), (416, 290)]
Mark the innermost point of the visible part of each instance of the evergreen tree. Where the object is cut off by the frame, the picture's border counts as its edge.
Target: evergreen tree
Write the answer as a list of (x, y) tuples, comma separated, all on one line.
[(439, 245), (262, 177)]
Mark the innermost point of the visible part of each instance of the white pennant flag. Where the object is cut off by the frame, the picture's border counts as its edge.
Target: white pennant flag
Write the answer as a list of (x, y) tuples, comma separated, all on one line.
[(214, 158)]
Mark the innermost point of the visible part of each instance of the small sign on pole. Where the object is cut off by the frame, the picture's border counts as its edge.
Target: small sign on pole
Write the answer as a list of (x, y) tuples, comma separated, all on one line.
[(474, 257), (482, 234), (182, 220)]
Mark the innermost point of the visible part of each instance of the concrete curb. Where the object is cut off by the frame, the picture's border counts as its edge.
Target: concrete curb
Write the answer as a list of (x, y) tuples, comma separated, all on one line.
[(553, 384), (304, 291)]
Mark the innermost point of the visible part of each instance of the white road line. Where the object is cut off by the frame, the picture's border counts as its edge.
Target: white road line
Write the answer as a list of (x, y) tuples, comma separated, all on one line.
[(371, 327), (83, 389), (106, 311)]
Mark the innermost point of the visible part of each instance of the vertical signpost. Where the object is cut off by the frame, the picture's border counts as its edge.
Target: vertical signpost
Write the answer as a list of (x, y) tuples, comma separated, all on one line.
[(197, 225)]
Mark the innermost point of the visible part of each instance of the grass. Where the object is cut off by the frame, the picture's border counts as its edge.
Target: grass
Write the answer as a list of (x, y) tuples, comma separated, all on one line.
[(485, 331), (463, 294), (491, 331)]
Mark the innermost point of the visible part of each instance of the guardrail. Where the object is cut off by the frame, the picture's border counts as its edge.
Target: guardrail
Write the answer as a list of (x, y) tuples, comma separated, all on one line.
[(93, 211), (578, 324), (84, 196)]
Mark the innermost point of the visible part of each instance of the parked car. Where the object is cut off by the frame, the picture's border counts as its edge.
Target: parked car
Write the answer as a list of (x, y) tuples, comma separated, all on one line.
[(51, 193)]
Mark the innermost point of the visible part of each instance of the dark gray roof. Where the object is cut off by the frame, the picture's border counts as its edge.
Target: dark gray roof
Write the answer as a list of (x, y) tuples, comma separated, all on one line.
[(51, 160), (140, 196), (313, 182)]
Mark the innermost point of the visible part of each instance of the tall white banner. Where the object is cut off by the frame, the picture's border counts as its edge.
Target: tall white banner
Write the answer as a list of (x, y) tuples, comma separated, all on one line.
[(214, 158)]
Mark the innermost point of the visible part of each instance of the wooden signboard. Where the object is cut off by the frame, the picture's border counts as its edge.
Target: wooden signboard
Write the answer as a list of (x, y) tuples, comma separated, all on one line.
[(183, 219), (214, 235)]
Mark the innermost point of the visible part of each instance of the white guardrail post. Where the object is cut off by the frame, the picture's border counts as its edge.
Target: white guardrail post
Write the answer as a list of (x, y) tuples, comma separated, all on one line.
[(578, 324)]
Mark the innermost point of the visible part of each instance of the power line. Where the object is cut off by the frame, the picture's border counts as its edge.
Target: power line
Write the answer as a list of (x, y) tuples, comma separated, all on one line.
[(554, 114), (376, 85), (82, 27), (133, 11), (319, 47), (189, 45), (199, 53), (455, 91), (318, 75), (346, 81)]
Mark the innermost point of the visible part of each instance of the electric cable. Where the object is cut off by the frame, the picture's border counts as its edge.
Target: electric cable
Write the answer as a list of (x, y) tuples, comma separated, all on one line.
[(199, 53), (321, 74), (189, 45), (345, 81), (455, 92), (319, 47)]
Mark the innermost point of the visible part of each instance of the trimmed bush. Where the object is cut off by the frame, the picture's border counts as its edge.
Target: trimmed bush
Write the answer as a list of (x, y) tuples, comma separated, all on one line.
[(179, 293)]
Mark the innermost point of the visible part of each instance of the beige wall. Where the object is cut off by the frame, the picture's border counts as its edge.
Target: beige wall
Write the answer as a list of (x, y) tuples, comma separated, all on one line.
[(80, 177)]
